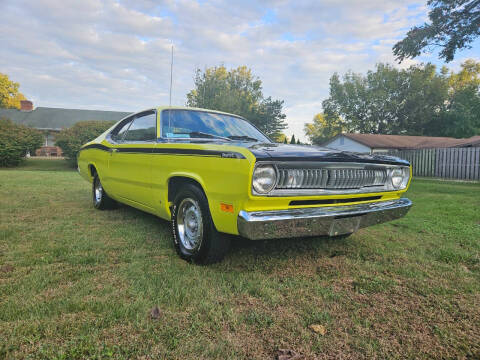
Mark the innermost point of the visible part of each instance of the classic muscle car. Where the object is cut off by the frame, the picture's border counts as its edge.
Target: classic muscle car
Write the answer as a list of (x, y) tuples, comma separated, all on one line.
[(212, 173)]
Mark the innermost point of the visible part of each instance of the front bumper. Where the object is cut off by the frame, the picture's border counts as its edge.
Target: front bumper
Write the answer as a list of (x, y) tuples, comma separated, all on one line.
[(331, 221)]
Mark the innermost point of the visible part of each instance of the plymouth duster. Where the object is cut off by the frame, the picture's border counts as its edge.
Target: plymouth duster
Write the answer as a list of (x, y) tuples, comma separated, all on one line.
[(211, 174)]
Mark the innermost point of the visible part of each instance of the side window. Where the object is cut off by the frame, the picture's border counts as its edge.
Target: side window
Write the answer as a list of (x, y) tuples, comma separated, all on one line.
[(118, 133), (143, 128)]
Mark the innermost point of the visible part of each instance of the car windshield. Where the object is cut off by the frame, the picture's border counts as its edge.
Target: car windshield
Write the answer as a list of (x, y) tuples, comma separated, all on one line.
[(208, 125)]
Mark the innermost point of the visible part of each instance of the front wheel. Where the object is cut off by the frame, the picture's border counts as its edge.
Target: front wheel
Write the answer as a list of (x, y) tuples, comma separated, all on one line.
[(101, 200), (194, 234)]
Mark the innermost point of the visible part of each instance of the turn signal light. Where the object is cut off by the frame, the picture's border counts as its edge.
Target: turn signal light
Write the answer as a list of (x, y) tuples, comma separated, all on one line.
[(226, 208)]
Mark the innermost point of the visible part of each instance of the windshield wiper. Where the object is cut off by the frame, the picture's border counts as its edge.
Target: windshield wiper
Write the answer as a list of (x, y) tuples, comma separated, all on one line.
[(199, 135), (242, 137)]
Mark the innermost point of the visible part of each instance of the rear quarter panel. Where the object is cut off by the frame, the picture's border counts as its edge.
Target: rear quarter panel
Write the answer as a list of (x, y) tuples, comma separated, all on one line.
[(97, 157)]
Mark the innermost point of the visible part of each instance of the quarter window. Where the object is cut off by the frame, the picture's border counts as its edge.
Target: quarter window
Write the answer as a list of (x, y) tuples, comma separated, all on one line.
[(119, 132), (143, 128)]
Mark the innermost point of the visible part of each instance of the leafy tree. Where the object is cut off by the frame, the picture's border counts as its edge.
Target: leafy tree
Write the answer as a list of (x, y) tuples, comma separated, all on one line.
[(239, 92), (16, 141), (469, 75), (387, 100), (461, 117), (9, 95), (414, 101), (281, 138), (323, 128), (454, 24), (292, 140), (71, 140)]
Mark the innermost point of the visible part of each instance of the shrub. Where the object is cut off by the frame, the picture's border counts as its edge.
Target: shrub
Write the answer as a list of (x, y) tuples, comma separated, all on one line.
[(70, 140), (15, 141)]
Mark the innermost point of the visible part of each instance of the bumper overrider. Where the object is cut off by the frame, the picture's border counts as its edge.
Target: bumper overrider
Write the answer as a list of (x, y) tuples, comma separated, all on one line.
[(326, 221)]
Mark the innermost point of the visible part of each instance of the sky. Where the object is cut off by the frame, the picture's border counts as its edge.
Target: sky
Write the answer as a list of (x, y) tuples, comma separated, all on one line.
[(115, 55)]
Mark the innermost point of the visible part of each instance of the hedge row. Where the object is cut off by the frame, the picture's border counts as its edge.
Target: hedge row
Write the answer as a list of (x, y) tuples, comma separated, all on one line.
[(70, 140), (16, 141)]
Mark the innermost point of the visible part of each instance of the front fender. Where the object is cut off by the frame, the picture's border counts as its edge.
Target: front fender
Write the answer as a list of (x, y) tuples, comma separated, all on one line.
[(223, 180)]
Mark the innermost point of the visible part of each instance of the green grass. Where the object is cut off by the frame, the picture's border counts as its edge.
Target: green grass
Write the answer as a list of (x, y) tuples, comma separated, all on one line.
[(45, 164), (77, 283)]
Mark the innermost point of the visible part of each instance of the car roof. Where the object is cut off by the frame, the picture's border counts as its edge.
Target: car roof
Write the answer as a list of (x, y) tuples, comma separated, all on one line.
[(160, 108)]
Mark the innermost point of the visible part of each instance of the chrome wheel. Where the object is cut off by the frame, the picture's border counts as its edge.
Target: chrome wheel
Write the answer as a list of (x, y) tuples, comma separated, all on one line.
[(190, 224), (98, 192)]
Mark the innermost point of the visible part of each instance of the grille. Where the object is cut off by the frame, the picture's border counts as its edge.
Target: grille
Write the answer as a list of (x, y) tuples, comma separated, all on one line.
[(336, 178)]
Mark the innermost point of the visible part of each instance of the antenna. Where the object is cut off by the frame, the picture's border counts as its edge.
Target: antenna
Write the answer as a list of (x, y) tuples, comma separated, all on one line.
[(171, 78), (170, 100)]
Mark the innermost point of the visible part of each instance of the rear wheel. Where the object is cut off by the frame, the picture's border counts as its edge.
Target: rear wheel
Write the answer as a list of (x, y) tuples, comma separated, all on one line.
[(194, 235), (101, 200)]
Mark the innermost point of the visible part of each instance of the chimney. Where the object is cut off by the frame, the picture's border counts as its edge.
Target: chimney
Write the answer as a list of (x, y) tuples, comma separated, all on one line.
[(26, 105)]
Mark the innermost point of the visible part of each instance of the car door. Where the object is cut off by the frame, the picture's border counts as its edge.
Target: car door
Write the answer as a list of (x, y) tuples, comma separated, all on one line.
[(131, 158), (111, 176)]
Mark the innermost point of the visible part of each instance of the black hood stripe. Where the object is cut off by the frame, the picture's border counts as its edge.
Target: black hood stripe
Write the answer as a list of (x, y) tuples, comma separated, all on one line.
[(333, 159)]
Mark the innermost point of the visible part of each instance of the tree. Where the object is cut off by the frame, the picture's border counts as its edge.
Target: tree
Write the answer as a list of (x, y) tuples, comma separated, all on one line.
[(454, 24), (292, 140), (469, 75), (387, 100), (239, 92), (9, 96), (323, 128), (71, 140), (285, 140), (461, 117), (281, 138), (17, 141), (414, 101)]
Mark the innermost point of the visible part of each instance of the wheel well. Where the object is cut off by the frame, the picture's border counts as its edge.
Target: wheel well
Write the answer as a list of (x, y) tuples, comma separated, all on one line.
[(92, 170), (175, 183)]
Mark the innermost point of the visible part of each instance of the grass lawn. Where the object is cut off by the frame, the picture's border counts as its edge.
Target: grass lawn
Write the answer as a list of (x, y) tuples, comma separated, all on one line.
[(78, 283), (45, 164)]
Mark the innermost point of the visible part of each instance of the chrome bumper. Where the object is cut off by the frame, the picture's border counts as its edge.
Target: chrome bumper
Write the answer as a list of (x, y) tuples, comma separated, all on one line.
[(330, 221)]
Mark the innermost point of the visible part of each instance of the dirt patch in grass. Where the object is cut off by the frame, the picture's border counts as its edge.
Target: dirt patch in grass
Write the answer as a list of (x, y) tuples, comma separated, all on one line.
[(6, 268)]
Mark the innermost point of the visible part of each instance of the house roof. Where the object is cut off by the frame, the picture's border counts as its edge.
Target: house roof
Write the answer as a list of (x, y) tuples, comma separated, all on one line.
[(473, 141), (377, 141), (44, 117)]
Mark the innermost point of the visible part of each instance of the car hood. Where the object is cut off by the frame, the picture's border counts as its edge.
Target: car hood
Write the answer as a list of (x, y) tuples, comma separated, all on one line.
[(285, 152)]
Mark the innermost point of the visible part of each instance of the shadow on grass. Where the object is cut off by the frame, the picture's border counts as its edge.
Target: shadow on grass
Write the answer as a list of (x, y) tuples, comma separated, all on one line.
[(245, 251), (288, 248)]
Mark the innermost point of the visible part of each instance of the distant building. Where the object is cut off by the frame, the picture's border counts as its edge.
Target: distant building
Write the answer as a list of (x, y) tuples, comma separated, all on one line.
[(51, 120), (376, 143)]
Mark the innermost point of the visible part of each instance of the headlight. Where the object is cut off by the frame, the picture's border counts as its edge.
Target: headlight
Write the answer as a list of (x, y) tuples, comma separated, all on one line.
[(399, 177), (264, 178)]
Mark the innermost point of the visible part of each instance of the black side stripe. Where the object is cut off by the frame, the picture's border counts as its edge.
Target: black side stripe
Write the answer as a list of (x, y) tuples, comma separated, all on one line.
[(96, 146), (173, 151)]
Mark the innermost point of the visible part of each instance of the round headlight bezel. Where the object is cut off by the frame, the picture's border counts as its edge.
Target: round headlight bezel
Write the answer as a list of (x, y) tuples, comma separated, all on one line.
[(263, 187)]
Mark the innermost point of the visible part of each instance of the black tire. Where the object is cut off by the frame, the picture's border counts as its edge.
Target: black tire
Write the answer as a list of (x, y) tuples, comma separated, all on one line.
[(210, 246), (101, 200)]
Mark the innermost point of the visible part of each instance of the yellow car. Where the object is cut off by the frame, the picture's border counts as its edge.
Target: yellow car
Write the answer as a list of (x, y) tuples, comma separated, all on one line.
[(213, 173)]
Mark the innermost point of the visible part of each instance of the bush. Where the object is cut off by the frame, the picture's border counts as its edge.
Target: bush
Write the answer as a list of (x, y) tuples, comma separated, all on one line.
[(71, 140), (15, 141)]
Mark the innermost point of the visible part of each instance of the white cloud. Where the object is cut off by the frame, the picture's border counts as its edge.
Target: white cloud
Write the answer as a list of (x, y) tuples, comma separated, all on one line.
[(116, 54)]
